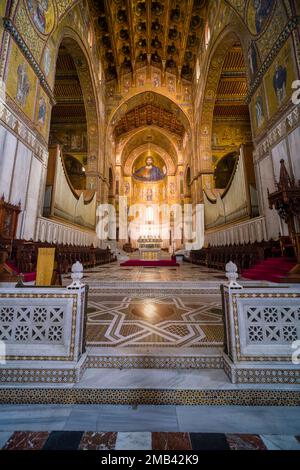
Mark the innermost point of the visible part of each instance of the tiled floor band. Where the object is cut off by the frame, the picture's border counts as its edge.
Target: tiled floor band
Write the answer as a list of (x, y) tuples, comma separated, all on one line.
[(159, 441)]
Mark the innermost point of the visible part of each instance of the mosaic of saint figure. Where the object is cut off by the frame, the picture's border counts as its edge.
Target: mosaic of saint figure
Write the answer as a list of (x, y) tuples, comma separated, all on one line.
[(42, 111), (262, 8), (47, 61), (126, 188), (23, 86), (279, 82), (149, 172), (38, 10), (252, 57), (259, 110), (149, 194)]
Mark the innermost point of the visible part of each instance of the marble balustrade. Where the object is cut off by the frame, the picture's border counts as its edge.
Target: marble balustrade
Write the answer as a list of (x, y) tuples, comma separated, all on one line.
[(249, 231), (53, 231), (42, 334), (262, 334)]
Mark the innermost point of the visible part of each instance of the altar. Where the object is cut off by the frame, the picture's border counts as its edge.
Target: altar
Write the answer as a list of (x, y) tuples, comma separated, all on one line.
[(150, 247)]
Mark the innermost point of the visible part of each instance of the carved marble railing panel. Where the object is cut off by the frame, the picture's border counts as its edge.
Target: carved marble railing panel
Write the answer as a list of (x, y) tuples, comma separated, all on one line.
[(27, 324), (262, 324), (42, 323), (250, 231)]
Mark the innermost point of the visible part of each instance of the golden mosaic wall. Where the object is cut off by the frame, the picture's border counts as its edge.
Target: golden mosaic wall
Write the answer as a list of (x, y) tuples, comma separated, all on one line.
[(21, 84), (34, 52), (279, 78), (267, 33), (228, 136), (2, 13)]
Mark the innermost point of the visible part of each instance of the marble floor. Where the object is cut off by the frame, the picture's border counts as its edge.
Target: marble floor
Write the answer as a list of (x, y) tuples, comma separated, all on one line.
[(156, 441), (102, 427), (150, 418), (114, 273)]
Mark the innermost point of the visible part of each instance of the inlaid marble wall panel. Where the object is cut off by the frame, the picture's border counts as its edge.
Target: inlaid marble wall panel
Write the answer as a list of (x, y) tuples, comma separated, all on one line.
[(20, 175), (8, 144), (280, 153), (32, 200), (20, 180), (294, 146), (265, 180)]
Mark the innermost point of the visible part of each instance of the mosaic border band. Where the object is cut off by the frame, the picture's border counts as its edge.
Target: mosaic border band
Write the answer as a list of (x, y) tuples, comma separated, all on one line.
[(154, 362), (150, 291), (150, 397), (289, 28)]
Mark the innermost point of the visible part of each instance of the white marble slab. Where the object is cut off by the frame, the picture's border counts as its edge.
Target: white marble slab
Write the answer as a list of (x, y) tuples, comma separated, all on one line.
[(239, 419), (140, 418), (4, 436), (280, 442), (134, 441)]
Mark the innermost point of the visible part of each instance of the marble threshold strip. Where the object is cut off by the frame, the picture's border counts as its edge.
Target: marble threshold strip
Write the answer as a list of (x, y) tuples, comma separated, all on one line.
[(159, 441)]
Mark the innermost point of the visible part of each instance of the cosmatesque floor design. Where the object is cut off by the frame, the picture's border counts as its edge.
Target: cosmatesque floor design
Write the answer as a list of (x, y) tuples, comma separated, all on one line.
[(175, 321), (160, 441)]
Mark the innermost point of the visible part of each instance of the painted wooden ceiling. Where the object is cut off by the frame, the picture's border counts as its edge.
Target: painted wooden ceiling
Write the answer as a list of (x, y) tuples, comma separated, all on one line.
[(164, 33), (69, 106), (233, 87), (147, 115)]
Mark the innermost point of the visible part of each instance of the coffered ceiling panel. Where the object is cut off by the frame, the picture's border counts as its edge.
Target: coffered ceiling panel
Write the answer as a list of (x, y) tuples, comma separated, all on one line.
[(165, 33)]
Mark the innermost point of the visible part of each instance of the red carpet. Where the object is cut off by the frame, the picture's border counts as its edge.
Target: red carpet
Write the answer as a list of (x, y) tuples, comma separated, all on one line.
[(158, 263), (12, 268), (272, 270)]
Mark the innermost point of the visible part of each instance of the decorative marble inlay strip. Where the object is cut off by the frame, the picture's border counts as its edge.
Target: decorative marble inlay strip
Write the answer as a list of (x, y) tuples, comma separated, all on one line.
[(38, 375), (261, 374), (150, 397), (267, 376), (155, 362)]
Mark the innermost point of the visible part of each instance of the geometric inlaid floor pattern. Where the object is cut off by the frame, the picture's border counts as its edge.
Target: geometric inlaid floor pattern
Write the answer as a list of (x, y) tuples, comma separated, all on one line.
[(117, 320)]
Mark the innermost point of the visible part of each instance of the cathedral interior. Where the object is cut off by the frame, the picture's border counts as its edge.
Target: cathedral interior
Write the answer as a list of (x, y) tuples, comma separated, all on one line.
[(150, 224)]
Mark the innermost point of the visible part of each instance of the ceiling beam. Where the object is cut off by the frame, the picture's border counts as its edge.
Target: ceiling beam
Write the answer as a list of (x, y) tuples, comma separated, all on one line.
[(149, 23), (166, 28), (185, 31), (129, 8), (110, 22)]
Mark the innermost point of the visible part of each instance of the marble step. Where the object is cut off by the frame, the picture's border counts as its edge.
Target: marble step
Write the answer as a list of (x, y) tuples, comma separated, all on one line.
[(155, 358)]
